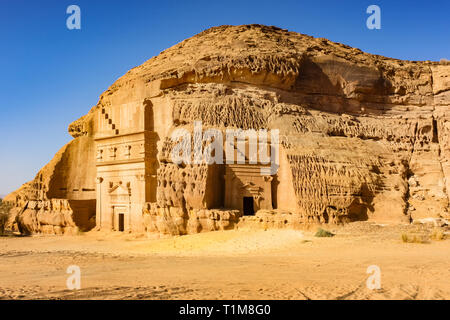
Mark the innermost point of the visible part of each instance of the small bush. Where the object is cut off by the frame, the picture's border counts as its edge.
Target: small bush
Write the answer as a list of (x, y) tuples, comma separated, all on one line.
[(4, 215), (414, 238), (321, 233), (405, 238), (437, 234), (3, 221)]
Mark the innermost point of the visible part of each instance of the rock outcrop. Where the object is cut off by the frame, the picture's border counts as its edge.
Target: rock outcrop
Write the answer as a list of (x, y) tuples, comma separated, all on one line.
[(362, 137)]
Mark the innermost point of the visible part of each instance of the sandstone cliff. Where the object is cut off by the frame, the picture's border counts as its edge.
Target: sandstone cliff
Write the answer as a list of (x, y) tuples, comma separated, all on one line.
[(363, 137)]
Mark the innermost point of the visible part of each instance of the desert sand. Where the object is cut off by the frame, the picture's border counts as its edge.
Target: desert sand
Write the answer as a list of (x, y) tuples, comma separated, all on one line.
[(236, 264)]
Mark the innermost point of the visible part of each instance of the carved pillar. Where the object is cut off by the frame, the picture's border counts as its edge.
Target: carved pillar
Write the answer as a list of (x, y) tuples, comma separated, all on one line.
[(99, 155), (127, 151), (128, 229), (113, 153), (113, 222), (98, 216), (268, 192)]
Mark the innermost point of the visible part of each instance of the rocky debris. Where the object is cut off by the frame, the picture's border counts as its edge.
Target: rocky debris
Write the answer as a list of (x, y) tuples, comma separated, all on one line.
[(175, 221), (436, 222), (56, 216)]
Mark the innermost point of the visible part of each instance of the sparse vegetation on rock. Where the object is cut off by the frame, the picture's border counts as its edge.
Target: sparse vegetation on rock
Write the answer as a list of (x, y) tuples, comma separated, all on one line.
[(5, 208)]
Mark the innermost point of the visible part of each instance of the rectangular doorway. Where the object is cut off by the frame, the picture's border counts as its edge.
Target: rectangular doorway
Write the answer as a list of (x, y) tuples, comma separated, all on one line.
[(121, 222), (249, 209)]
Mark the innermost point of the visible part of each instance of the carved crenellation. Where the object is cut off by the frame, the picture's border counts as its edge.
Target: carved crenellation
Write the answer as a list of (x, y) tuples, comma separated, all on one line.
[(120, 151)]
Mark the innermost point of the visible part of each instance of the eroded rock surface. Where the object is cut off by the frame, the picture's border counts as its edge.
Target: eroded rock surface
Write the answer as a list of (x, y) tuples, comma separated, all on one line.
[(362, 137)]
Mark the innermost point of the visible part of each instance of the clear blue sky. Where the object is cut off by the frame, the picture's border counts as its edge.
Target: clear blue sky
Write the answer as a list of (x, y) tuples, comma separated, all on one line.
[(51, 76)]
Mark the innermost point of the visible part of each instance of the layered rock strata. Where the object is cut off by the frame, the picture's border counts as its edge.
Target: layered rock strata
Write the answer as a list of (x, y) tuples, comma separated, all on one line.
[(362, 137)]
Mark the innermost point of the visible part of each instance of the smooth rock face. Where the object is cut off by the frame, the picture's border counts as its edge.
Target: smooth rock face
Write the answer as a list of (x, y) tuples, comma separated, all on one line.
[(362, 137)]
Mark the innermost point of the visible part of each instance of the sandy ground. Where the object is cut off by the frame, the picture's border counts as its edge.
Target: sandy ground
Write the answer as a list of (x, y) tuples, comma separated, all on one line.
[(242, 264)]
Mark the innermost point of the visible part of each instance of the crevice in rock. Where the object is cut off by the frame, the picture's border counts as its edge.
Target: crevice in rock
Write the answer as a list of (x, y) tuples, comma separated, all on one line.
[(435, 133), (409, 174)]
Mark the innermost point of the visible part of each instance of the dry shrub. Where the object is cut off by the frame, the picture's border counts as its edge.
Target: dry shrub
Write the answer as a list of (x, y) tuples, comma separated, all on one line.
[(5, 208), (437, 234), (321, 233), (414, 238)]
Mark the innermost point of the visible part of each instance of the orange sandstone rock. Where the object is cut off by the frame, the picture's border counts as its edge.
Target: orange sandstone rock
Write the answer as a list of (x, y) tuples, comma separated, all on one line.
[(362, 137)]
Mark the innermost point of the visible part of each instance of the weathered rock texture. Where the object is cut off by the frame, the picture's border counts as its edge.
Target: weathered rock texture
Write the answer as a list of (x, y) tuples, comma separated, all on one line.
[(55, 216), (362, 137)]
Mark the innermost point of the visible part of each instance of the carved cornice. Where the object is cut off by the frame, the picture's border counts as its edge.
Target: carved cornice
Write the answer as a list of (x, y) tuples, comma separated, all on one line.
[(116, 162)]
